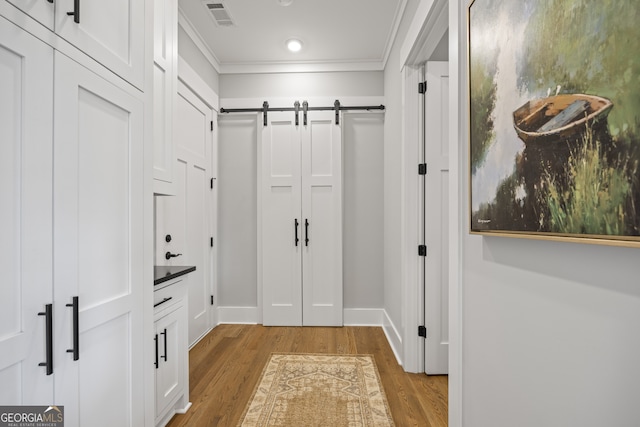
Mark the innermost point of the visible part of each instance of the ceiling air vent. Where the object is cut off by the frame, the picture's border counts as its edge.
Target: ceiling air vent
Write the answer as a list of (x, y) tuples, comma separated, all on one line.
[(219, 13)]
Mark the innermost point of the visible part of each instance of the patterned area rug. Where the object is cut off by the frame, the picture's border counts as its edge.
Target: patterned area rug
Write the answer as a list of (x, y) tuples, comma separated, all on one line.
[(318, 390)]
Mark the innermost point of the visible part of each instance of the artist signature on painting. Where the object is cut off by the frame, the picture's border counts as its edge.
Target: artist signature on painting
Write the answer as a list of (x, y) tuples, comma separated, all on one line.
[(484, 221)]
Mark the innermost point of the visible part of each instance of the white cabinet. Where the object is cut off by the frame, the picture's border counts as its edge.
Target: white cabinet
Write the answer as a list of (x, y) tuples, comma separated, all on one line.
[(111, 32), (165, 75), (98, 246), (40, 10), (26, 219), (301, 221), (71, 182), (171, 351)]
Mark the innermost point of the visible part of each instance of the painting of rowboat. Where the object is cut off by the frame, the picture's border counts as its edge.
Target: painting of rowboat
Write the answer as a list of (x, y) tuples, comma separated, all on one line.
[(554, 119)]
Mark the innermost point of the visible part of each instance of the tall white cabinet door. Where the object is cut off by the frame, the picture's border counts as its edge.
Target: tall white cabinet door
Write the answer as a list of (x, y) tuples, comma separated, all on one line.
[(322, 221), (165, 71), (26, 85), (281, 218), (40, 10), (111, 32), (98, 246)]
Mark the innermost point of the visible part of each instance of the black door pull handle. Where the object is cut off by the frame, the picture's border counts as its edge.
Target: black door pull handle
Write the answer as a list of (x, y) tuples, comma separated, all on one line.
[(48, 317), (306, 232), (156, 340), (169, 255), (76, 331), (295, 227), (76, 11), (165, 344)]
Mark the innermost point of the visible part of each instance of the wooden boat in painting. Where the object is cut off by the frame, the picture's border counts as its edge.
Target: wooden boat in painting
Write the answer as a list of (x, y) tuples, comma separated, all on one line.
[(560, 117)]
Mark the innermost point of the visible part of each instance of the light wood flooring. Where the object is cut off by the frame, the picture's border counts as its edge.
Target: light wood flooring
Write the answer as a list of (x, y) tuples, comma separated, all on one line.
[(226, 365)]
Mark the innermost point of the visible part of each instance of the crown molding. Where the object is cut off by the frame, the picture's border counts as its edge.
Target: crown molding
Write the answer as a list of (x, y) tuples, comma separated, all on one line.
[(393, 34), (299, 67), (197, 39)]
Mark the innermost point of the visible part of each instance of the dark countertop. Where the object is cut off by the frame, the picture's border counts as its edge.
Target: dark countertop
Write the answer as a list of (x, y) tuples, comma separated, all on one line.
[(163, 273)]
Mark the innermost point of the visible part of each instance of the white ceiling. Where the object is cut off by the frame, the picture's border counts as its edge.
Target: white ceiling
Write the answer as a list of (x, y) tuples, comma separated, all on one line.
[(338, 35)]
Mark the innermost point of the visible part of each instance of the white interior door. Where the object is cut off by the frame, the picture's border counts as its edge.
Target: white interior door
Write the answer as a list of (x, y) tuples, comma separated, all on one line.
[(282, 222), (322, 221), (26, 120), (187, 215), (98, 247), (437, 219)]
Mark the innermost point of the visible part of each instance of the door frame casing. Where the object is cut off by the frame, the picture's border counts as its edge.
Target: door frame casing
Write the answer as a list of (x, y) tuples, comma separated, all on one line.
[(431, 20)]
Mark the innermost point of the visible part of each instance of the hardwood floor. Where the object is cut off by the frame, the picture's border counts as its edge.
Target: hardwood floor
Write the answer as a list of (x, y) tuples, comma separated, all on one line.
[(226, 365)]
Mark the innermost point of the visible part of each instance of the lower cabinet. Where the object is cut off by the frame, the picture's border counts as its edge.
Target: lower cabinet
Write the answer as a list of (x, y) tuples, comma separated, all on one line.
[(171, 351)]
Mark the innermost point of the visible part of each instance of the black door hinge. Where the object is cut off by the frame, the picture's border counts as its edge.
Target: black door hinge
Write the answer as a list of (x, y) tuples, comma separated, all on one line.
[(211, 299), (422, 169), (422, 331), (211, 125), (422, 87), (422, 250)]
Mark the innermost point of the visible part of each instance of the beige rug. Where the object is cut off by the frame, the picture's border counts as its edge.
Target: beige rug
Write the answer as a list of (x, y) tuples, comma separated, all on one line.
[(298, 390)]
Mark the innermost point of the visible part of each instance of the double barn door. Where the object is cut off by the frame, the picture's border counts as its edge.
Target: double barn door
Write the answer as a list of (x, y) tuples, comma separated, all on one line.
[(301, 221)]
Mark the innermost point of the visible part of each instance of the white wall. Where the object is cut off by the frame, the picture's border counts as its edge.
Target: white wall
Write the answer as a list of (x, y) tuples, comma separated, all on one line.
[(188, 50), (301, 85), (363, 221), (550, 329), (237, 211), (393, 89)]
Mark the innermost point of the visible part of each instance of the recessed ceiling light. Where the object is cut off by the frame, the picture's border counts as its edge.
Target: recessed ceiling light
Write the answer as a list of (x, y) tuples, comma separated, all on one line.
[(285, 2), (294, 45)]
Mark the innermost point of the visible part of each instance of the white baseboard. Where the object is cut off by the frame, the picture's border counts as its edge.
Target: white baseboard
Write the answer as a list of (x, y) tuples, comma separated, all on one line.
[(363, 316), (394, 338), (241, 315)]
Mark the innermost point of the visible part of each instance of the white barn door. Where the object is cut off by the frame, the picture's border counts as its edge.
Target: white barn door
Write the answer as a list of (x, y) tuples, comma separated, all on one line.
[(322, 221), (301, 220), (437, 219), (281, 222)]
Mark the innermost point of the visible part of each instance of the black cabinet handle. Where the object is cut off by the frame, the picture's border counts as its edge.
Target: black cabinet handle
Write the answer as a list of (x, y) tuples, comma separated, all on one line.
[(295, 227), (50, 1), (165, 344), (76, 11), (306, 232), (48, 318), (161, 302), (156, 340), (169, 255), (76, 332)]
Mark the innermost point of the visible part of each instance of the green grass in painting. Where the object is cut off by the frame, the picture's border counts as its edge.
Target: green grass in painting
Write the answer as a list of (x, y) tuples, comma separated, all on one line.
[(483, 100), (596, 199)]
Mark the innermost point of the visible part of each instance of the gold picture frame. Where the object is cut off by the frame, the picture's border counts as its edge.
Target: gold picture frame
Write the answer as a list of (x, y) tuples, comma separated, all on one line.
[(554, 120)]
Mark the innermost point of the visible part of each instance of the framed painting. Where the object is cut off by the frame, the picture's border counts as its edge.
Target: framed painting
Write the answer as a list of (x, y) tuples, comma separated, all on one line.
[(554, 119)]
